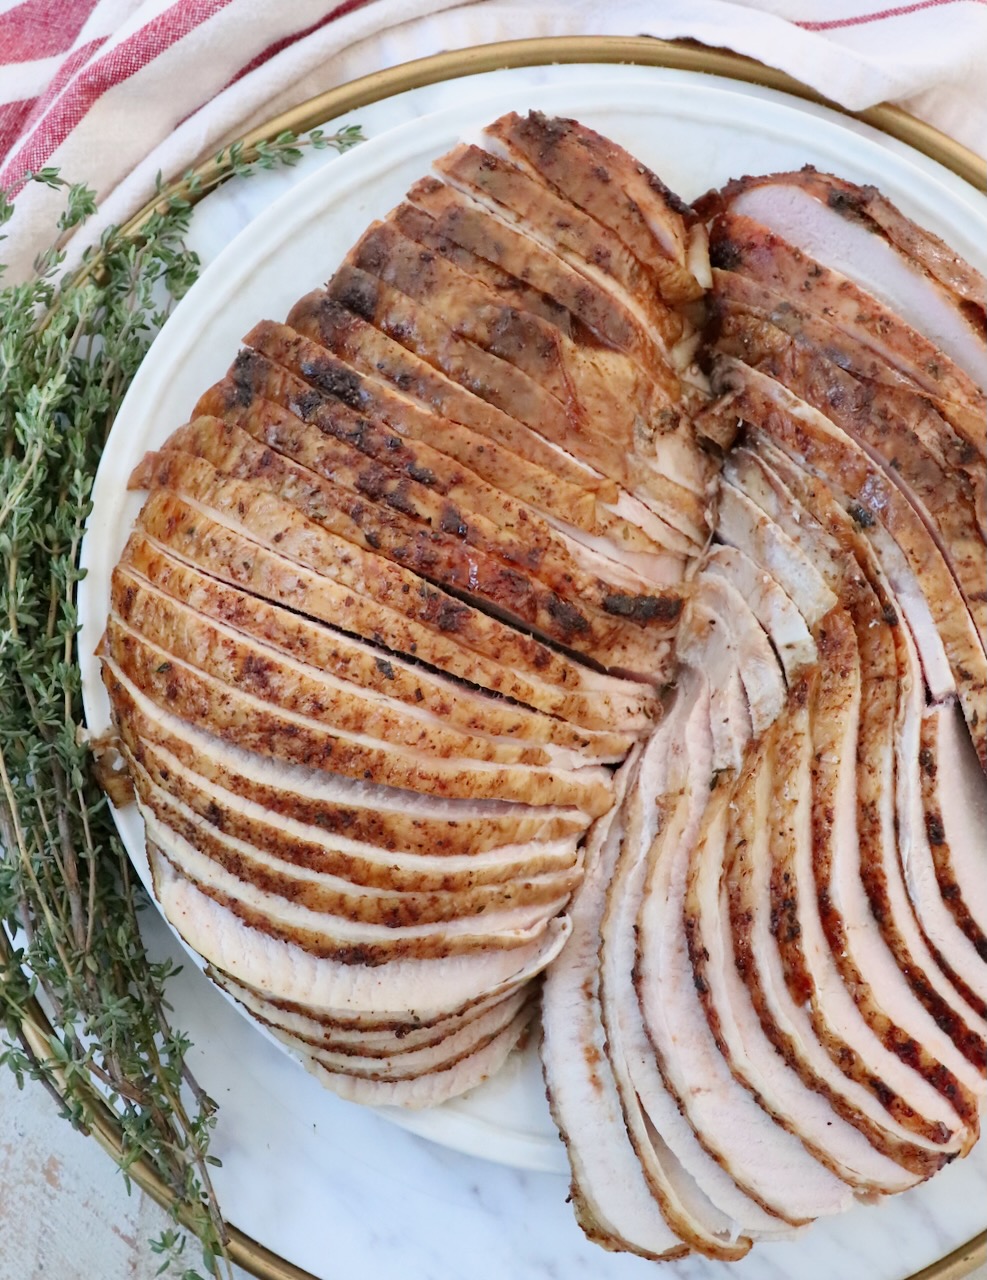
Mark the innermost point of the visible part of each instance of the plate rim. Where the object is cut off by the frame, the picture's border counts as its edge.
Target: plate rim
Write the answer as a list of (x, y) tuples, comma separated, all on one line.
[(686, 55)]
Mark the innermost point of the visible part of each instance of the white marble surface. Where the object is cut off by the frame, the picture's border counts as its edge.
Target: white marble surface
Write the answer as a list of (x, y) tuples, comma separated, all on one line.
[(339, 1190)]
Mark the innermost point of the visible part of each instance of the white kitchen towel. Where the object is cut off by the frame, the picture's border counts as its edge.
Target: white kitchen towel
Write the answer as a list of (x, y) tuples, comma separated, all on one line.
[(112, 92)]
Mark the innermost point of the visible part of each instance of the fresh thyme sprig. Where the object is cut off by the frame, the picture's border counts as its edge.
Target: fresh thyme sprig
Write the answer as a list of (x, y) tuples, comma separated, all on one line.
[(69, 348)]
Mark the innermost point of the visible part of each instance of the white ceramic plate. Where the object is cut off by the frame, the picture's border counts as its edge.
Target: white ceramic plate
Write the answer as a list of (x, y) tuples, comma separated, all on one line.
[(696, 132)]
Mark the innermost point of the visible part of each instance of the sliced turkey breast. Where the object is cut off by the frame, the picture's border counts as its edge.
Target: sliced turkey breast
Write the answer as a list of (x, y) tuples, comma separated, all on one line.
[(645, 336), (742, 244), (769, 951), (408, 523), (811, 439), (336, 654), (895, 430), (774, 609), (612, 406), (898, 979), (781, 1177), (435, 1087), (352, 336), (945, 424), (249, 510), (745, 527), (730, 1011), (337, 938), (302, 686), (823, 864), (866, 205), (367, 1041), (256, 375), (888, 828), (512, 870), (401, 1062), (421, 227), (275, 867), (755, 659), (822, 230), (226, 936), (614, 1200), (513, 392), (582, 241), (213, 705), (678, 1168), (956, 821), (187, 532), (706, 643), (491, 443), (372, 823), (584, 168), (519, 869), (418, 550)]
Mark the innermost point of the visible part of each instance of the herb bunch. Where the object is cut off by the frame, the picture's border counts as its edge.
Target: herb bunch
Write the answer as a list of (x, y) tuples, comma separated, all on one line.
[(73, 969)]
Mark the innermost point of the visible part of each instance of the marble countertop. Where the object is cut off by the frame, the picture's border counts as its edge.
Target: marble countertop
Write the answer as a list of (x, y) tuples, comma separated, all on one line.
[(394, 1204)]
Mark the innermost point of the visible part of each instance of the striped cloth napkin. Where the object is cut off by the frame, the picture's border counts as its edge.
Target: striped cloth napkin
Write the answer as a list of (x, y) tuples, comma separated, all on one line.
[(115, 91)]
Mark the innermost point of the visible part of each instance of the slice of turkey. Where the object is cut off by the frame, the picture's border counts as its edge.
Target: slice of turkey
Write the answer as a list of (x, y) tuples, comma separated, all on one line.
[(745, 527), (956, 822), (889, 831), (213, 705), (352, 818), (687, 1182), (741, 244), (820, 446), (584, 168), (811, 225), (420, 483), (347, 658), (730, 1011), (303, 686), (770, 948), (867, 206), (774, 609), (248, 537), (421, 227), (513, 870), (266, 866), (368, 1041), (229, 937), (436, 1087), (613, 1199), (615, 627), (767, 1163)]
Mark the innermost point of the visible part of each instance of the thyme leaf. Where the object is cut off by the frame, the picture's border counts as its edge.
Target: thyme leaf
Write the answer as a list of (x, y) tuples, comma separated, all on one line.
[(83, 1009)]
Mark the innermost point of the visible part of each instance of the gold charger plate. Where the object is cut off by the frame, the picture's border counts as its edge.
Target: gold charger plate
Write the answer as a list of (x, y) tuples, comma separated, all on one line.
[(679, 55)]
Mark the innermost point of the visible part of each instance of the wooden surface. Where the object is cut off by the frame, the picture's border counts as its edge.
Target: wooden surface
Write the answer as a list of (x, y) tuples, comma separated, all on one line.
[(64, 1210)]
